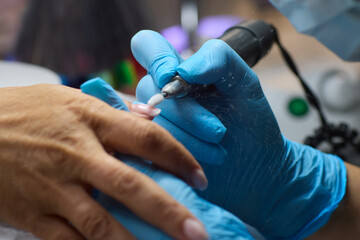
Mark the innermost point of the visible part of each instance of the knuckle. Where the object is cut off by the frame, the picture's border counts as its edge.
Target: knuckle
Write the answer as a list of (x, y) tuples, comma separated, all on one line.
[(217, 45), (66, 137), (221, 50), (63, 157), (150, 136), (85, 107), (79, 106), (63, 145), (57, 156), (62, 150), (125, 182), (96, 225)]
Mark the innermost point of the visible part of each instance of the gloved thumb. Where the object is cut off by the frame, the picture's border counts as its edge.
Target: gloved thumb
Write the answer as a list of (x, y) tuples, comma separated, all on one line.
[(102, 90), (156, 55)]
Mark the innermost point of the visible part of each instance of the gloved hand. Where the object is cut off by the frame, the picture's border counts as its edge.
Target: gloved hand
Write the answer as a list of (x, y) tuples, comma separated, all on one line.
[(219, 223), (284, 189)]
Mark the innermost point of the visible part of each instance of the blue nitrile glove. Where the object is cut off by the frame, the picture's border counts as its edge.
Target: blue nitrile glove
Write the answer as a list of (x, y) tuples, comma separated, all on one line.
[(284, 189), (219, 223)]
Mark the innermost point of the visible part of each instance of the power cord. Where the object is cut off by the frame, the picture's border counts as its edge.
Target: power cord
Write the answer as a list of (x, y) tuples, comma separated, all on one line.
[(337, 136)]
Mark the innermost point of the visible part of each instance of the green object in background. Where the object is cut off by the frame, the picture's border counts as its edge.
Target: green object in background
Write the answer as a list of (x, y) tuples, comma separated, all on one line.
[(125, 74), (107, 76), (122, 76), (298, 107)]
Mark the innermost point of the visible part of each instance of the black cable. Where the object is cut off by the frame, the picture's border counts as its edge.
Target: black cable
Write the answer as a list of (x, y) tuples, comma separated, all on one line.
[(339, 136), (310, 96)]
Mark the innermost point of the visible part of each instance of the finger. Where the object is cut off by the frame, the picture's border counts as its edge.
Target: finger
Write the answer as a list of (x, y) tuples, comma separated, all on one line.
[(53, 228), (129, 134), (139, 228), (141, 195), (89, 218), (142, 115), (127, 103), (144, 110), (156, 55), (216, 62), (102, 90), (205, 152), (185, 113)]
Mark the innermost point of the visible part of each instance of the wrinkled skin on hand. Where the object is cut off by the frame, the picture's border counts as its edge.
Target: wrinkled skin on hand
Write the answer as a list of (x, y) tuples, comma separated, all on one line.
[(54, 146)]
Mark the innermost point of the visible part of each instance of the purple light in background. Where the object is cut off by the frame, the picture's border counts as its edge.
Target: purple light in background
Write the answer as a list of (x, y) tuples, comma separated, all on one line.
[(10, 58), (209, 27), (177, 36), (215, 26)]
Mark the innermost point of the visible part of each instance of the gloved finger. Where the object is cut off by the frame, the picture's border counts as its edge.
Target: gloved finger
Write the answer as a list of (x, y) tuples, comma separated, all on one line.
[(205, 152), (140, 194), (102, 90), (52, 228), (156, 55), (185, 113), (220, 223), (217, 63)]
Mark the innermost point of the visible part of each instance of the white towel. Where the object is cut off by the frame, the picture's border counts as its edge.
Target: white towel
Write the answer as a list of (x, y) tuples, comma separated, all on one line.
[(8, 232)]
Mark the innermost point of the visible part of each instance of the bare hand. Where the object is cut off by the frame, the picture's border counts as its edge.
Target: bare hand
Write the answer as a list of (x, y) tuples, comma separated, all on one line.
[(53, 150)]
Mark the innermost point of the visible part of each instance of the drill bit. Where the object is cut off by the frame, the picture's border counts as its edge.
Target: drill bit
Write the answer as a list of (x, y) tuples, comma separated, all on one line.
[(176, 88), (156, 99)]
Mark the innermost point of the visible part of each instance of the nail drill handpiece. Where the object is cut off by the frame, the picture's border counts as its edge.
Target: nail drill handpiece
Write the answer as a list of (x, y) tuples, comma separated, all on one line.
[(252, 40)]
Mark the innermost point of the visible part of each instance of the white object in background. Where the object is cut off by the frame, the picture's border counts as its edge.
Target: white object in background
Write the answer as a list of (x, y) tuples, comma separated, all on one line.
[(338, 95), (338, 91), (14, 74)]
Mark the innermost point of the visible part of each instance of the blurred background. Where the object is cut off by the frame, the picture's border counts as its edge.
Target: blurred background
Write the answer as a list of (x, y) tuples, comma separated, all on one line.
[(81, 39), (77, 39)]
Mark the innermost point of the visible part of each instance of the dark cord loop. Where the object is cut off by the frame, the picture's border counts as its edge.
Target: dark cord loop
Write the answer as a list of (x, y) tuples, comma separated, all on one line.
[(340, 136)]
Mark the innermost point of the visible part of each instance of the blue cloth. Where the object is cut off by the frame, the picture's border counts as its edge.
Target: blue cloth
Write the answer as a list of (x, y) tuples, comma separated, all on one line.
[(335, 23), (284, 189), (219, 223)]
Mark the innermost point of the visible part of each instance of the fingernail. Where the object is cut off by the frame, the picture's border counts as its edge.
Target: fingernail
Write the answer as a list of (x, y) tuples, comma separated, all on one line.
[(143, 116), (199, 179), (194, 230), (145, 109)]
